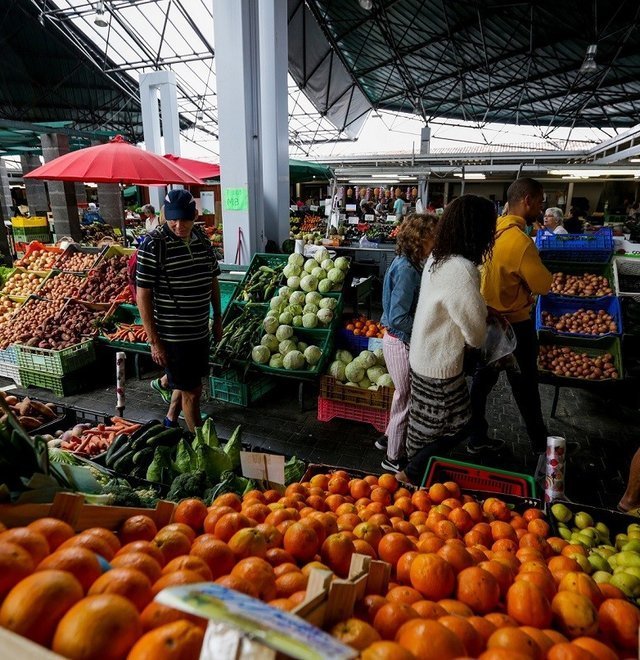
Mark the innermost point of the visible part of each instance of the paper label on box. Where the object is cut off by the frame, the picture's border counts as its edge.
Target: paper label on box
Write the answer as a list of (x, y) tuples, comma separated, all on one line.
[(374, 343), (267, 467), (272, 627)]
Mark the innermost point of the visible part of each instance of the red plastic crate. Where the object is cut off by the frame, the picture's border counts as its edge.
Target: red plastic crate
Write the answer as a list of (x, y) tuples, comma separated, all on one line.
[(328, 409)]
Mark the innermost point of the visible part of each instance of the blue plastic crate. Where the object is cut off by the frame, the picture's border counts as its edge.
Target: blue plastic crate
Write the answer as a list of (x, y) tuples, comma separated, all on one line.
[(559, 306), (594, 247)]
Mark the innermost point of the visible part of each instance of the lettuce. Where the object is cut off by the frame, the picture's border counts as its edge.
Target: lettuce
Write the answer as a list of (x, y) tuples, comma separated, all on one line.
[(233, 447), (213, 461), (185, 458)]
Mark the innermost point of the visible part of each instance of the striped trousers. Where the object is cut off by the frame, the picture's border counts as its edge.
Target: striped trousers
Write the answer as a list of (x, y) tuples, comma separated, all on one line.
[(396, 355)]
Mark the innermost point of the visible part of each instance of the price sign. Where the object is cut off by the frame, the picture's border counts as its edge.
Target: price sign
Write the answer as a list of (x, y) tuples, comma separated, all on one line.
[(313, 208), (293, 208), (369, 217), (236, 199), (268, 467), (353, 220), (392, 218)]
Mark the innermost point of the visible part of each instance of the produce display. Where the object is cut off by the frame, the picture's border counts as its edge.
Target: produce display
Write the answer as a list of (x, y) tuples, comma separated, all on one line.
[(367, 371), (364, 327), (283, 350), (131, 332), (38, 260), (88, 440), (569, 363), (587, 285), (76, 261), (92, 234), (238, 337), (583, 321), (22, 284), (319, 273), (262, 284), (30, 413), (302, 310), (469, 578), (8, 308), (29, 322), (106, 281), (60, 286)]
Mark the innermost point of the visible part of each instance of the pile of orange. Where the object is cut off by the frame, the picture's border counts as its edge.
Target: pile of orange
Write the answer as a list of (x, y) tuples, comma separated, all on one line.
[(469, 579), (364, 327)]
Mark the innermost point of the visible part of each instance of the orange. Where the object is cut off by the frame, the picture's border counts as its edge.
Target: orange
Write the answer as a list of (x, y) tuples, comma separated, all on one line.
[(141, 562), (470, 637), (540, 579), (137, 528), (500, 572), (567, 651), (93, 542), (582, 583), (288, 583), (179, 640), (301, 541), (282, 604), (145, 547), (403, 566), (609, 591), (338, 485), (248, 542), (101, 627), (80, 562), (574, 614), (456, 555), (478, 589), (336, 552), (106, 535), (363, 548), (390, 617), (385, 650), (403, 594), (229, 524), (392, 546), (277, 556), (259, 573), (238, 584), (514, 640), (355, 633), (429, 640), (368, 607), (284, 568), (134, 585), (389, 482), (171, 544), (453, 606), (503, 654), (539, 637), (33, 542), (500, 620), (216, 553), (598, 649), (562, 563), (191, 563), (619, 621), (34, 607), (483, 626), (539, 527), (256, 511), (228, 499), (381, 495), (183, 576), (55, 531), (213, 516), (528, 605), (191, 512), (432, 576), (15, 564), (438, 492)]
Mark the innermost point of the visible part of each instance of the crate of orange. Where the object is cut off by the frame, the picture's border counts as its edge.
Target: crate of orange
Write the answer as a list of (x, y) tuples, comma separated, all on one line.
[(357, 333)]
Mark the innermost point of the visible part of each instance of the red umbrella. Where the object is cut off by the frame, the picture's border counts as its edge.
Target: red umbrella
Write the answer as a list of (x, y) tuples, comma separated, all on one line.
[(196, 167), (117, 161)]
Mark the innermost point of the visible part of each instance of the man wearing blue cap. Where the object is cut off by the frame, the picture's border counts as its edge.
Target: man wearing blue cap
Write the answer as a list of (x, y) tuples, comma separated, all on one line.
[(177, 278)]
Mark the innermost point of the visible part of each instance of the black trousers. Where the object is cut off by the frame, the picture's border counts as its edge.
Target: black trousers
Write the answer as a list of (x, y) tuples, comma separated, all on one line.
[(524, 385)]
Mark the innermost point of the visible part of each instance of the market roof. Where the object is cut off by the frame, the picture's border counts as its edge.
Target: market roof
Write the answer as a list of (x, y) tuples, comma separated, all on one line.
[(491, 60)]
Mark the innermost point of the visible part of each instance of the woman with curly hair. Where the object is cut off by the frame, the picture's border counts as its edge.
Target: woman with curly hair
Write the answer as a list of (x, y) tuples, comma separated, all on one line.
[(399, 299), (451, 315)]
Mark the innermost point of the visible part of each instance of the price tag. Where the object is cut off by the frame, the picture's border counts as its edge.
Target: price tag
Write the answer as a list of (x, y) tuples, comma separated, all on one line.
[(267, 467), (353, 220), (314, 208), (293, 208), (350, 207), (117, 231), (236, 199), (392, 218), (369, 217)]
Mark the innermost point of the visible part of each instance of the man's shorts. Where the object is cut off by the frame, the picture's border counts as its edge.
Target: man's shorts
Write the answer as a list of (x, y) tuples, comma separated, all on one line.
[(188, 363)]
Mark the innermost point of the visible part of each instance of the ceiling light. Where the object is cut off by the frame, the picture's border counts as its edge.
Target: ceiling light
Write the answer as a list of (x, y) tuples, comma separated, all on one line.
[(589, 63), (470, 176), (366, 4), (594, 172), (100, 20)]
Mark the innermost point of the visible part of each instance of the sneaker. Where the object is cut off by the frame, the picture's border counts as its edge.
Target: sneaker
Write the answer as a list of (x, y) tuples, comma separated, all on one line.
[(391, 465), (381, 443), (486, 445), (203, 416), (164, 393)]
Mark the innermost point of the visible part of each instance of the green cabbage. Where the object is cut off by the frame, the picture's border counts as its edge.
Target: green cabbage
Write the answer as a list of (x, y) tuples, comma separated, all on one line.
[(365, 383), (367, 359), (213, 461), (325, 316), (309, 320), (186, 460), (276, 361), (271, 342), (260, 354), (297, 298), (284, 332), (297, 321), (328, 303), (385, 381), (310, 308), (233, 447), (337, 370), (319, 273), (296, 259), (312, 298), (294, 360), (291, 271), (312, 355), (270, 324), (324, 286), (354, 372), (373, 373), (336, 275), (309, 265), (327, 264), (309, 283), (342, 263), (286, 346), (285, 318), (321, 254), (293, 282), (379, 353), (284, 292), (275, 302), (344, 356), (294, 310)]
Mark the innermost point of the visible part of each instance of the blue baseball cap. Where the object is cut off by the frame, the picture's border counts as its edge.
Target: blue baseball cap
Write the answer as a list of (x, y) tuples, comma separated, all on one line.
[(179, 205)]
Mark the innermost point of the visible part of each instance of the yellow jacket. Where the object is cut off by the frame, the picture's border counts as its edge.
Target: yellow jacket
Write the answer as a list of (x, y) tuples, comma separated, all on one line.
[(514, 272)]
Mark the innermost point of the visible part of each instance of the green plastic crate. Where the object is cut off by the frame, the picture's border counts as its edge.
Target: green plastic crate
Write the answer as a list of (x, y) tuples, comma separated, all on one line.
[(605, 269), (56, 363), (258, 260), (230, 388), (28, 234), (227, 293), (74, 383)]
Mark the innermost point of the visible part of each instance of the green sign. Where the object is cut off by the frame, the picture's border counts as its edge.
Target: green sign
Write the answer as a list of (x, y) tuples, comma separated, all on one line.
[(236, 199)]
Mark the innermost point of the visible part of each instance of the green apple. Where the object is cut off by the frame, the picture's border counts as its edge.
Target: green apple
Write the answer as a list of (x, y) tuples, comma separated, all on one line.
[(561, 512), (598, 562), (628, 558), (633, 545), (621, 539), (565, 533), (602, 528), (601, 576), (628, 584), (585, 539), (583, 520), (584, 563)]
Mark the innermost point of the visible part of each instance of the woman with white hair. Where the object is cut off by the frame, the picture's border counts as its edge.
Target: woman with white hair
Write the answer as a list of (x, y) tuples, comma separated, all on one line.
[(553, 221)]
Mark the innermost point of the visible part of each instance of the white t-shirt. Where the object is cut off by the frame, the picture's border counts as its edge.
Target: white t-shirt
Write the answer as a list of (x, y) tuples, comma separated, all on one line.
[(152, 223)]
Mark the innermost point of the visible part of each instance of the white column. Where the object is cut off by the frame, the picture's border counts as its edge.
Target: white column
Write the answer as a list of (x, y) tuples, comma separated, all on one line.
[(236, 41), (274, 117)]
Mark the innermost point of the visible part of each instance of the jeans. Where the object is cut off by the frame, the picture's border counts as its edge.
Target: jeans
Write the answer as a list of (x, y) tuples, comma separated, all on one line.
[(524, 385)]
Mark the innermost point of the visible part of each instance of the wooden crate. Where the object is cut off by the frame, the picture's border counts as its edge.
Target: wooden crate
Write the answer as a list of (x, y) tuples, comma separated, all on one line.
[(71, 508)]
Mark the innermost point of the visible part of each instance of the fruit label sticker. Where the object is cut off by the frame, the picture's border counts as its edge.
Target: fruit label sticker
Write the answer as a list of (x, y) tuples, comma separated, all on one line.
[(277, 629), (266, 467)]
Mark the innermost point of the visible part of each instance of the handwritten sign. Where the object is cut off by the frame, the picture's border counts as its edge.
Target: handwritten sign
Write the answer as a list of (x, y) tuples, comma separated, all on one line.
[(257, 465), (369, 217), (313, 208), (236, 199), (354, 220), (392, 218)]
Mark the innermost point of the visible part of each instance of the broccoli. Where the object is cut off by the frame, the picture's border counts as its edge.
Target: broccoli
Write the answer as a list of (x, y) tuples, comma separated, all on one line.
[(226, 485), (191, 484)]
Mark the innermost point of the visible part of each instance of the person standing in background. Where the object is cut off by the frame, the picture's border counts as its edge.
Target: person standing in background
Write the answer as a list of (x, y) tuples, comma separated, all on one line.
[(152, 221), (401, 288), (553, 219), (398, 206)]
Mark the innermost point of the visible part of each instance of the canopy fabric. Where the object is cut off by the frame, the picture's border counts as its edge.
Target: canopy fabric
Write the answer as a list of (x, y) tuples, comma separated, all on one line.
[(196, 167), (130, 191), (302, 170)]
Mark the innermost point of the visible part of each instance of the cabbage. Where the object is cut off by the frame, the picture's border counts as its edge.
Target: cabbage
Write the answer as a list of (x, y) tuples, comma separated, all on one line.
[(364, 384), (344, 356), (260, 354), (271, 342), (297, 321), (384, 381), (354, 372), (294, 360), (276, 361), (293, 282), (302, 346), (324, 286), (285, 318), (309, 265), (336, 370), (286, 346), (336, 275), (367, 359), (309, 320), (309, 283), (327, 264), (294, 310), (319, 273), (379, 353), (290, 270), (297, 298), (325, 316), (329, 303), (273, 313), (284, 332), (313, 298), (321, 254), (374, 388), (350, 384), (310, 308), (295, 259), (275, 302), (284, 292), (270, 324), (312, 355), (373, 373), (342, 263)]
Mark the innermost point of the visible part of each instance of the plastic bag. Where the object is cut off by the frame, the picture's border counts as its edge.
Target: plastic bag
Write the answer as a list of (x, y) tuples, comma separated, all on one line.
[(500, 341)]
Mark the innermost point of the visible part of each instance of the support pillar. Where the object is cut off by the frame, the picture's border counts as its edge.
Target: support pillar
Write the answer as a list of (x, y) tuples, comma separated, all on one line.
[(445, 201), (274, 100), (81, 193), (110, 198), (35, 190), (238, 85), (5, 214), (569, 198), (62, 194)]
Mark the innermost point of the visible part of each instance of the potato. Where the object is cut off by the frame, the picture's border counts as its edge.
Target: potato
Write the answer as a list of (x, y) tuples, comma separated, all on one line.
[(587, 285), (564, 361)]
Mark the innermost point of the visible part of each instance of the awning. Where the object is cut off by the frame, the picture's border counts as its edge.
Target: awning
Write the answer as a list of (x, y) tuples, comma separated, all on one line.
[(196, 167)]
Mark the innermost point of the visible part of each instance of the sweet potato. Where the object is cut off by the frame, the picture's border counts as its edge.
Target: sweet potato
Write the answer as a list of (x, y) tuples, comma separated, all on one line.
[(29, 423)]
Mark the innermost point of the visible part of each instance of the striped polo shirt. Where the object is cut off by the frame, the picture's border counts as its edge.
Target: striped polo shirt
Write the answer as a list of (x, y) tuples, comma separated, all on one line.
[(180, 274)]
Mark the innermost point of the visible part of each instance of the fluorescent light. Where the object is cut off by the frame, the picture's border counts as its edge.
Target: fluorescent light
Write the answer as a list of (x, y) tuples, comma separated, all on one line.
[(634, 160), (595, 172), (470, 176)]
